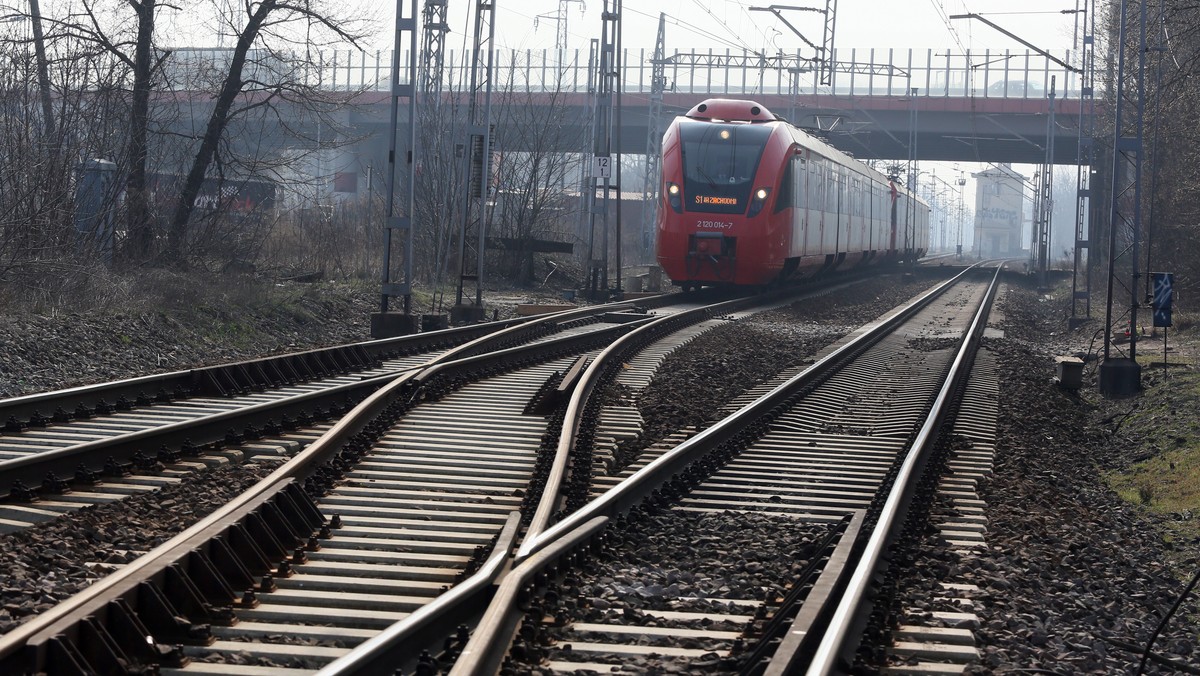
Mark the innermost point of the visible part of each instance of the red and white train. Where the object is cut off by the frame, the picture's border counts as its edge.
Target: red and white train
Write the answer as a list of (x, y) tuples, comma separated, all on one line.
[(751, 200)]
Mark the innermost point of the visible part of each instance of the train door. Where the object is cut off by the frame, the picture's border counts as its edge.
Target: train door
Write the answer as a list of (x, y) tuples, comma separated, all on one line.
[(832, 216), (893, 208), (816, 208), (857, 236), (799, 203), (871, 213), (844, 210)]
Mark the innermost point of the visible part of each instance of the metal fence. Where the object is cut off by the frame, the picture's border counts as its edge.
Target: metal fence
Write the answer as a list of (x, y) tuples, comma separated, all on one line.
[(859, 72)]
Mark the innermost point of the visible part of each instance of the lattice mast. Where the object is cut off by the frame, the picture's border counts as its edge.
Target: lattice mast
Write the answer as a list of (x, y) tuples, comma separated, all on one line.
[(1120, 374), (433, 51), (826, 54), (608, 76), (1044, 202), (910, 211), (406, 32), (559, 18), (1081, 278), (653, 179), (477, 157), (435, 188)]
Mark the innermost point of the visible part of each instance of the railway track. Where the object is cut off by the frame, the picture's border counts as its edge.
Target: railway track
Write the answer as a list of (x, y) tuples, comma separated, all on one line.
[(60, 451), (836, 451), (364, 529)]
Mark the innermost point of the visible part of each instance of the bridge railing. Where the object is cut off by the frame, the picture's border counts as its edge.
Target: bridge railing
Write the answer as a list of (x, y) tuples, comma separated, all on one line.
[(857, 72)]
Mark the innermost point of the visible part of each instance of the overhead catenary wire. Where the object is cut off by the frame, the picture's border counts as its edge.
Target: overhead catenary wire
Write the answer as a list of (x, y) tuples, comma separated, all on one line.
[(939, 7), (724, 24)]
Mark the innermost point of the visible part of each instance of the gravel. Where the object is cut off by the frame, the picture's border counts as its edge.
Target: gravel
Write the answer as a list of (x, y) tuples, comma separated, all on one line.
[(1070, 570), (729, 360), (43, 565), (683, 562), (55, 350)]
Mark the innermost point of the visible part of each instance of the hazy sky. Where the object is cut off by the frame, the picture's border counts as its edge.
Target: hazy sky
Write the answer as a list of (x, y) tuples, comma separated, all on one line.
[(720, 24)]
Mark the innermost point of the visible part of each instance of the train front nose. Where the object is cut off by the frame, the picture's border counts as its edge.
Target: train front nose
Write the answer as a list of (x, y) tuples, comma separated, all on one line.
[(711, 257)]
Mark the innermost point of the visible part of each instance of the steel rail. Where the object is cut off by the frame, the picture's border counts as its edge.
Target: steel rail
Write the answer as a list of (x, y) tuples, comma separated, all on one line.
[(481, 657), (492, 638), (308, 363), (431, 623), (631, 492), (63, 462), (25, 407), (368, 658), (402, 643), (838, 639), (34, 640), (33, 636), (591, 378), (573, 419)]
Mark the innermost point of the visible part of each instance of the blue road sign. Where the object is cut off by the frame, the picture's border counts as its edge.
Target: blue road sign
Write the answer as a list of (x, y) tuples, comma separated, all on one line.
[(1163, 281)]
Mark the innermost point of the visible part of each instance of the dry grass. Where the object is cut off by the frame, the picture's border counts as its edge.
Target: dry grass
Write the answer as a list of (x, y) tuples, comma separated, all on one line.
[(1167, 430)]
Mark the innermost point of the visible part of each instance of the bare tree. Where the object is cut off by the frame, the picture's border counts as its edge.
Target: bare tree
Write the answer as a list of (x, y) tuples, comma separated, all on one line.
[(532, 200), (36, 180), (130, 40), (272, 26)]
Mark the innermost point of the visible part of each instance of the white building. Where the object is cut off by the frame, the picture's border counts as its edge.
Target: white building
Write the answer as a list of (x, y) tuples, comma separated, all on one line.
[(999, 212)]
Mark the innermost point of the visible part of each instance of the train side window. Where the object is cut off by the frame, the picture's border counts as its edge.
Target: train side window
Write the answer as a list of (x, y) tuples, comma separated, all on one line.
[(831, 195), (856, 197), (784, 199), (801, 182), (818, 200)]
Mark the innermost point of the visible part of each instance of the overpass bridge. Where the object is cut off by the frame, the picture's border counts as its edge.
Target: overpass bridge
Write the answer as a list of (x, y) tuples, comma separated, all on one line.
[(973, 107)]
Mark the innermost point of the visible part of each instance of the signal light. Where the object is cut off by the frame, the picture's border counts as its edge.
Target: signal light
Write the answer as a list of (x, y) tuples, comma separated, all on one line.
[(758, 201), (674, 198)]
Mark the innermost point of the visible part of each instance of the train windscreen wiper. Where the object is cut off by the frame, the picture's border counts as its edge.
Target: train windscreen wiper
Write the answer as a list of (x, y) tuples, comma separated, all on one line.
[(711, 183)]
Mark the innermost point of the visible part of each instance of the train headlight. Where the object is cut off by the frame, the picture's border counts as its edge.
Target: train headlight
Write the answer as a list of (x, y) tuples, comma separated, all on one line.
[(758, 201), (675, 197)]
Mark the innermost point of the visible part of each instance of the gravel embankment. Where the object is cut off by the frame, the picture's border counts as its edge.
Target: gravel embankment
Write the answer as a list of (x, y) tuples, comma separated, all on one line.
[(1071, 572), (52, 351), (51, 561), (682, 562), (694, 383), (43, 565)]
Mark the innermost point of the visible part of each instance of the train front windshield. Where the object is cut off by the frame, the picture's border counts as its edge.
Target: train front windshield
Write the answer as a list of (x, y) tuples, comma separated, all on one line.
[(719, 162)]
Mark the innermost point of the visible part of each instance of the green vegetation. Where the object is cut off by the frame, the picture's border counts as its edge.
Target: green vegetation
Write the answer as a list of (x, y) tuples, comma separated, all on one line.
[(1165, 425)]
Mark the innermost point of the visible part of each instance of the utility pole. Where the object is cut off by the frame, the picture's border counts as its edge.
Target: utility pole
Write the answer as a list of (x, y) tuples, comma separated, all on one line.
[(1085, 31), (1120, 374), (604, 164), (587, 184), (1044, 201), (384, 323), (962, 214), (477, 171), (910, 212), (824, 53)]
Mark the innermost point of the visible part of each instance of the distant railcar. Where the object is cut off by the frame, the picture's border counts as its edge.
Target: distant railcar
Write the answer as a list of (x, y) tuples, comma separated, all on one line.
[(751, 200)]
